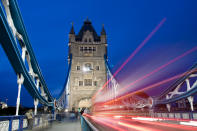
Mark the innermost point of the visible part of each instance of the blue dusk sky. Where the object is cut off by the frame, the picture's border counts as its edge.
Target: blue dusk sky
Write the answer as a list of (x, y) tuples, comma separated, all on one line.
[(127, 23)]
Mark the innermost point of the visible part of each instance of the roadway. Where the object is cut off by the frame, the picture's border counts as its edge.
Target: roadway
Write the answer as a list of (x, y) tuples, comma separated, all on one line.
[(117, 123)]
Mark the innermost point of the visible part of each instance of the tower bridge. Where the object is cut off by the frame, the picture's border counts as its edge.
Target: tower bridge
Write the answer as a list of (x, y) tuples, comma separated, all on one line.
[(90, 84), (88, 72)]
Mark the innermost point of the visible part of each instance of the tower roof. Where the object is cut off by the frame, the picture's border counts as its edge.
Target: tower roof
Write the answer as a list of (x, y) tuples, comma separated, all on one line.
[(87, 26), (72, 31), (103, 32)]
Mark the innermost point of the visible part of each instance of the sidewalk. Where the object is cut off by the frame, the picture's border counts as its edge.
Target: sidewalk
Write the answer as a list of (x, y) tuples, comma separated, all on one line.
[(66, 126)]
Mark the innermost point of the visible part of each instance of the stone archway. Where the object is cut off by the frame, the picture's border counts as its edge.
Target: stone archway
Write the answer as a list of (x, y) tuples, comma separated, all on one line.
[(85, 102)]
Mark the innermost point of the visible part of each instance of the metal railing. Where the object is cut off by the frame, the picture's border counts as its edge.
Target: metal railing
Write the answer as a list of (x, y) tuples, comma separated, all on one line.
[(86, 125), (176, 115), (10, 123)]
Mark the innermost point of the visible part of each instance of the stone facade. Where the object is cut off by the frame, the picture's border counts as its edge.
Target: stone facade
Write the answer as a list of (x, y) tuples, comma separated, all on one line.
[(88, 71)]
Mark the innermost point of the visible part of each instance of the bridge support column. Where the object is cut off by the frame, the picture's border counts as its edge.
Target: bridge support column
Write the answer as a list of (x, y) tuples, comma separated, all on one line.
[(35, 106), (24, 50), (191, 100), (36, 100), (168, 107), (20, 80)]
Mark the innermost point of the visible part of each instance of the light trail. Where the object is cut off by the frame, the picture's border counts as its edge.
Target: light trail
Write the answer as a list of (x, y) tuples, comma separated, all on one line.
[(149, 87), (126, 122), (133, 54), (159, 68), (122, 116), (139, 128), (190, 123), (165, 124), (103, 123)]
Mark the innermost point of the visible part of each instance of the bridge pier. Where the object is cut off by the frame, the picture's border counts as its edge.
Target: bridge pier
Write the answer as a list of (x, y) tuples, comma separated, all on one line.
[(36, 100), (20, 80), (191, 100)]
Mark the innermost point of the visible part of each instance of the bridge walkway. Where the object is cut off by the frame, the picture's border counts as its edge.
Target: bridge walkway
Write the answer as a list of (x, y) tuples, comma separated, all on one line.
[(66, 126)]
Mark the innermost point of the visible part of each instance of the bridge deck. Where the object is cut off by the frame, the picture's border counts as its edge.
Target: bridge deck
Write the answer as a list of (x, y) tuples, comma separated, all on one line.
[(66, 126)]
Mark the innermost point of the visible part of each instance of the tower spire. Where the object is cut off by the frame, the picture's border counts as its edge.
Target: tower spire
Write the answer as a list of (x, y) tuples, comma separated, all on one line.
[(72, 29), (87, 21), (103, 32)]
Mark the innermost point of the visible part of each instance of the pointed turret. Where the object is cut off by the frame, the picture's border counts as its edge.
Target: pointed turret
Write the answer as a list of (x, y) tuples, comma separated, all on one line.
[(87, 21), (72, 31), (72, 34), (103, 32), (103, 35)]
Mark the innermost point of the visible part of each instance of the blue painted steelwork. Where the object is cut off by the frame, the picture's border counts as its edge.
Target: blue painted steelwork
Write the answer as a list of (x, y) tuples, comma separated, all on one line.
[(9, 45), (64, 94), (37, 122), (175, 115), (18, 22), (110, 75), (84, 125), (162, 100), (11, 118), (177, 82)]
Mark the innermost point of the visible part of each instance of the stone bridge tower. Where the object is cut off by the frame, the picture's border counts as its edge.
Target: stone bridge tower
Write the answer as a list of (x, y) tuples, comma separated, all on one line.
[(88, 70)]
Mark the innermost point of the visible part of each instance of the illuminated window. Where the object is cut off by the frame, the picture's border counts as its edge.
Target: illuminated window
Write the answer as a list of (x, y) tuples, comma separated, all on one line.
[(88, 82)]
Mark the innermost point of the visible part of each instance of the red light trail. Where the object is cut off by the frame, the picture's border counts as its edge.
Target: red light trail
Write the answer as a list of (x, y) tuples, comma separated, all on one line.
[(125, 123), (149, 87), (165, 124), (133, 54), (102, 122), (159, 68)]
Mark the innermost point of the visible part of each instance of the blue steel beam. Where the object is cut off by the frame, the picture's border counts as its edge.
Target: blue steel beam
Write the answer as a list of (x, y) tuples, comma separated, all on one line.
[(9, 45), (179, 97), (19, 24), (63, 96), (176, 83), (184, 95), (67, 77)]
